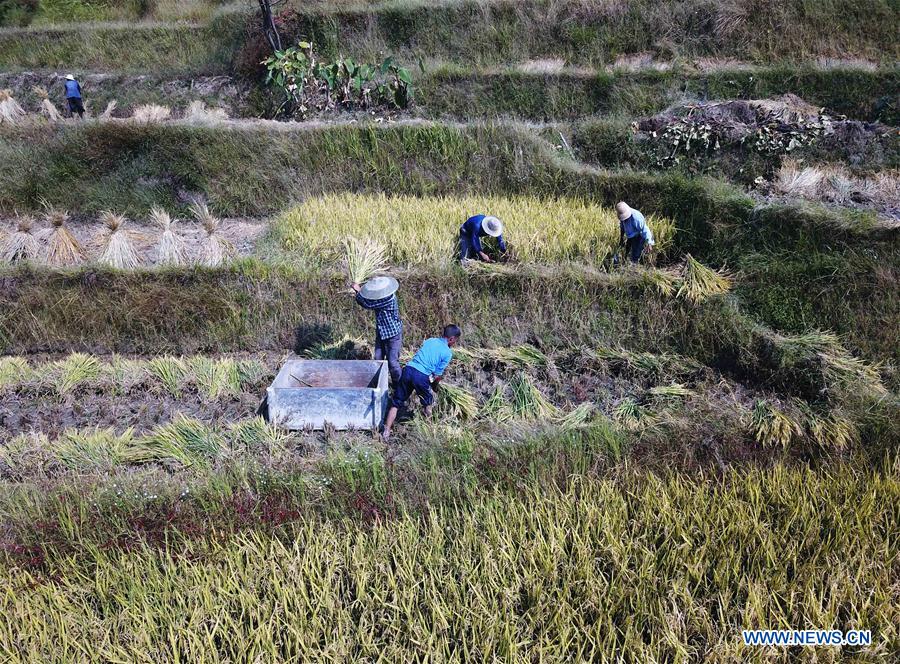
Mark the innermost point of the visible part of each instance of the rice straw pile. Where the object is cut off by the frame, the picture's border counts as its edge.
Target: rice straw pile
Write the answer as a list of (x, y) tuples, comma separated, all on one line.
[(216, 248), (63, 248), (170, 249), (119, 251), (21, 245)]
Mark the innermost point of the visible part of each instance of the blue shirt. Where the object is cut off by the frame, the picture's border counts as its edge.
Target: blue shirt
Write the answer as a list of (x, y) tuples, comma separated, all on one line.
[(387, 315), (73, 90), (433, 357), (474, 232), (636, 225)]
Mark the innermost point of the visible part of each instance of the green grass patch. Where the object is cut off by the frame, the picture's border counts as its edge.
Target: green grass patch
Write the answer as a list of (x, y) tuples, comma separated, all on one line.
[(504, 31), (461, 93), (145, 48)]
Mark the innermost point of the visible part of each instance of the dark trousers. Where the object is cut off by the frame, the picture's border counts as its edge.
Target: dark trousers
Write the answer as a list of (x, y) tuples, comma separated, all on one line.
[(466, 250), (412, 381), (634, 248), (389, 349), (76, 106)]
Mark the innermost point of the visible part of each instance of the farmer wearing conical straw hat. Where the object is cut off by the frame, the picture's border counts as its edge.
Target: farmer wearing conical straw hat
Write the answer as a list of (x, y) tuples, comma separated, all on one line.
[(73, 96), (634, 233), (379, 294), (471, 232)]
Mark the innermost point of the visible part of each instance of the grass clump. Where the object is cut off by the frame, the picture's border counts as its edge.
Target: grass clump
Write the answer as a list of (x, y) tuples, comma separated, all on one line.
[(255, 435), (527, 401), (151, 114), (578, 417), (215, 377), (75, 370), (425, 230), (198, 113), (345, 348), (171, 373), (14, 371), (92, 450)]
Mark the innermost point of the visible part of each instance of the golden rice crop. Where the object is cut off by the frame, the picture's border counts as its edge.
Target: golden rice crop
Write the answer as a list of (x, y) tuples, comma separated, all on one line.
[(773, 426), (578, 417), (456, 402), (632, 568), (700, 283), (365, 259), (528, 402), (118, 250), (425, 230), (21, 245)]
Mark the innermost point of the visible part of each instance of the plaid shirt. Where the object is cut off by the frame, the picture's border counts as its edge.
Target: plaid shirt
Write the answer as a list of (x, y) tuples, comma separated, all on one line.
[(387, 315)]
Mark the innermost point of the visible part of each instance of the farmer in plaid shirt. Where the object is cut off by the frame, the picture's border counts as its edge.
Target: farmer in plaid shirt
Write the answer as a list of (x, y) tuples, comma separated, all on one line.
[(380, 295)]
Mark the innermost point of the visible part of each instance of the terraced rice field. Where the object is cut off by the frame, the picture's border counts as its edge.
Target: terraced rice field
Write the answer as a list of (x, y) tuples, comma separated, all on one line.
[(628, 462)]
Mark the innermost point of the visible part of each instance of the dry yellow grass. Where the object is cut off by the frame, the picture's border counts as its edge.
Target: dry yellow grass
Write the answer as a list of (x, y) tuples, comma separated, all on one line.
[(425, 230)]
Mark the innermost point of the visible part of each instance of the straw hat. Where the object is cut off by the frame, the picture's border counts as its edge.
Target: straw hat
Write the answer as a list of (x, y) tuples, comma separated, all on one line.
[(623, 211), (492, 226), (70, 77), (377, 288)]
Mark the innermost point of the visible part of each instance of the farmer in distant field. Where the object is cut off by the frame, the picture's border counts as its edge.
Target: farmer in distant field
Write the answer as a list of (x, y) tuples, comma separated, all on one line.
[(471, 232), (380, 295), (423, 371), (73, 96), (634, 232)]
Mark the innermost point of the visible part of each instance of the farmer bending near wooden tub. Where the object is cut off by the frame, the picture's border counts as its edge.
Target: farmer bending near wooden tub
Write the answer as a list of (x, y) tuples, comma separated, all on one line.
[(379, 294), (634, 233), (471, 232), (423, 371)]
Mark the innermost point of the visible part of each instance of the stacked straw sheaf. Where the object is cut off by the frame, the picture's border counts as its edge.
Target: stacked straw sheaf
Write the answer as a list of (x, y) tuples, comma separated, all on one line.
[(116, 246)]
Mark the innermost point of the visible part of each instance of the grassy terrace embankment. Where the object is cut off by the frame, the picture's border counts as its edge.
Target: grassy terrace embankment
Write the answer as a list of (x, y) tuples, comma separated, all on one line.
[(479, 33), (800, 262), (139, 48), (253, 306), (458, 93)]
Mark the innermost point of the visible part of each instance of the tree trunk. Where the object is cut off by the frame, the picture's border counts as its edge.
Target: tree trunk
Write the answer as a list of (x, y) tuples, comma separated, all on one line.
[(268, 24)]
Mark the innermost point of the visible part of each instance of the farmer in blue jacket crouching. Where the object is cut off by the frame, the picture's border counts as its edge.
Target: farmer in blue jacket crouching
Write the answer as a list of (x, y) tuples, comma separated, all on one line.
[(424, 370), (471, 232)]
